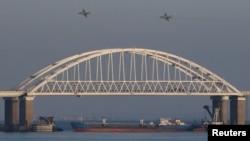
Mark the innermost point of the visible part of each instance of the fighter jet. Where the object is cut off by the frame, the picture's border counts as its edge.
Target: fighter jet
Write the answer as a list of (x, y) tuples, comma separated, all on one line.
[(166, 17), (84, 13)]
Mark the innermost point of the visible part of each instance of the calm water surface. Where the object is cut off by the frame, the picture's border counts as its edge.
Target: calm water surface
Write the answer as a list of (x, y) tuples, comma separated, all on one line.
[(80, 136), (69, 135)]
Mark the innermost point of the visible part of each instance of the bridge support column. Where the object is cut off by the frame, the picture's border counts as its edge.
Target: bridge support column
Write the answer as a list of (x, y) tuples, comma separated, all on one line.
[(220, 102), (237, 110), (11, 114), (26, 113)]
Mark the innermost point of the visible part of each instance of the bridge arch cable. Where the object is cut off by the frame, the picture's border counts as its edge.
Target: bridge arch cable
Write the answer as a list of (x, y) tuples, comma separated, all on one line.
[(125, 71)]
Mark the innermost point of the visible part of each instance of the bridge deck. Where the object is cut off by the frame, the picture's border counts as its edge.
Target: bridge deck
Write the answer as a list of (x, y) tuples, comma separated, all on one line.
[(11, 93), (19, 93)]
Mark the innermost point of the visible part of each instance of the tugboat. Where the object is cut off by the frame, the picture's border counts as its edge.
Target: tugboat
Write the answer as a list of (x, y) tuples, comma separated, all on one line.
[(46, 124)]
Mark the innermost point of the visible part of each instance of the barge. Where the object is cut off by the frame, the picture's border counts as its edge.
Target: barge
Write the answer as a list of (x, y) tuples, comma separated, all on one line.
[(46, 124)]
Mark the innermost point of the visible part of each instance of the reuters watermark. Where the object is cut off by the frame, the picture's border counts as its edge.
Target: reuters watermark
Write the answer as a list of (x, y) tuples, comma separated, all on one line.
[(239, 132)]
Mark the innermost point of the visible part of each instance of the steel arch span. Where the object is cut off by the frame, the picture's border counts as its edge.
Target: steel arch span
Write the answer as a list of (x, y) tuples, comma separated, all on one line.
[(125, 71)]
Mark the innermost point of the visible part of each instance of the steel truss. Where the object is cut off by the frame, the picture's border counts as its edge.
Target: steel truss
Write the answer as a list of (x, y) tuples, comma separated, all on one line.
[(125, 71)]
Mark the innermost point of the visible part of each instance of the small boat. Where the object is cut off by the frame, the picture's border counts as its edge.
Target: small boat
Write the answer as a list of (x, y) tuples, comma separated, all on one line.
[(162, 125), (46, 124), (201, 126)]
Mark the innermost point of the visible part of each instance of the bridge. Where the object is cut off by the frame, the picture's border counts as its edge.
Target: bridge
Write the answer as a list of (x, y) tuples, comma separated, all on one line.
[(122, 71)]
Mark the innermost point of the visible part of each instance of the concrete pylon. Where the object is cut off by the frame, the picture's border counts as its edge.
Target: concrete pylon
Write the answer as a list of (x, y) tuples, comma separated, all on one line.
[(11, 114), (237, 110), (224, 109), (26, 112)]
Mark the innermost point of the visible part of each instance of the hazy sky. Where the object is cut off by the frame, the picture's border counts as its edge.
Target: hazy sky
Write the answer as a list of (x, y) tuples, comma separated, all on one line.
[(214, 34)]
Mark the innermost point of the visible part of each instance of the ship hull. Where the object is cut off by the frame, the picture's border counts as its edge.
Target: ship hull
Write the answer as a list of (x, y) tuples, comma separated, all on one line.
[(126, 130), (200, 129), (78, 127)]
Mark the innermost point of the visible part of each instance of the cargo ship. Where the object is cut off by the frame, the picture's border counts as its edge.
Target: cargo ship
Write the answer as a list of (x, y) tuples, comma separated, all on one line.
[(162, 125)]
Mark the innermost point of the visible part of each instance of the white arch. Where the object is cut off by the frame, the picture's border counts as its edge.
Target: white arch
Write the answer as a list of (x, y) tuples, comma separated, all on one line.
[(197, 73)]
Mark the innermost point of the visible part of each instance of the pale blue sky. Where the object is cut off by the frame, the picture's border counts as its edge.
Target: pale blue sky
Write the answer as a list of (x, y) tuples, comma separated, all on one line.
[(215, 34)]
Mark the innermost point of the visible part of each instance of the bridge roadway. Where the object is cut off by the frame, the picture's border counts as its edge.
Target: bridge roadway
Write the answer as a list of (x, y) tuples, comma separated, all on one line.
[(9, 93), (246, 93)]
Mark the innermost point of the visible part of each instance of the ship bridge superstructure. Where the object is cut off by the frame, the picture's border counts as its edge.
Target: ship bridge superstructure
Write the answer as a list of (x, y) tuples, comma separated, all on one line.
[(125, 71)]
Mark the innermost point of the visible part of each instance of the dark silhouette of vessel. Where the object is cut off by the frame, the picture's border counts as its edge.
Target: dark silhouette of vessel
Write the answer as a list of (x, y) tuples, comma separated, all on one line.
[(162, 125)]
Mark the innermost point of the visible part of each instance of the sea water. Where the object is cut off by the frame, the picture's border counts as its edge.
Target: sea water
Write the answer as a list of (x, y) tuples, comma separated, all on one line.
[(69, 135), (90, 136)]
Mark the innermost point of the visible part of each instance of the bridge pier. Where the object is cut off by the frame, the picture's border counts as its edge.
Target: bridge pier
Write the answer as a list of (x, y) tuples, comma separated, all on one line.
[(237, 110), (26, 112), (11, 114), (220, 102)]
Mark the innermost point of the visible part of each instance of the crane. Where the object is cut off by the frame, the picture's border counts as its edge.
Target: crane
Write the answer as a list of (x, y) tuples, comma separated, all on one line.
[(215, 116)]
